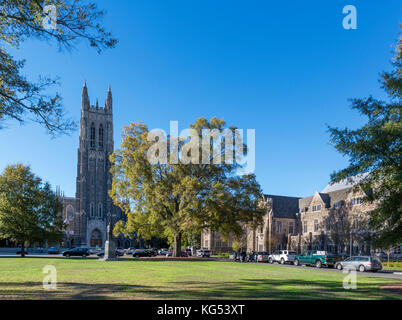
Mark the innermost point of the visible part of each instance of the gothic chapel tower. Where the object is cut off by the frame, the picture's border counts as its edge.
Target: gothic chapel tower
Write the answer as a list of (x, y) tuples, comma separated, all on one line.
[(94, 206)]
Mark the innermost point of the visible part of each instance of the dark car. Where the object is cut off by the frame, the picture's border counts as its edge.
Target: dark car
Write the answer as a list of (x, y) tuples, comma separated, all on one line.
[(53, 250), (80, 252), (142, 253), (19, 251), (119, 252)]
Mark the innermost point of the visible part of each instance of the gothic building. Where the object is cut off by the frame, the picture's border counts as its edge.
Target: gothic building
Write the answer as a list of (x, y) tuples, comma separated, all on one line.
[(330, 220), (88, 214)]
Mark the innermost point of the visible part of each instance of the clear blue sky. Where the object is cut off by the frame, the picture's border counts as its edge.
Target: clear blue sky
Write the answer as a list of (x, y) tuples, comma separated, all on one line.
[(283, 68)]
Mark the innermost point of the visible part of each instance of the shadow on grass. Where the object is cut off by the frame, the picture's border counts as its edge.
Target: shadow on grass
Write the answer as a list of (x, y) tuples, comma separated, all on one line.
[(242, 289)]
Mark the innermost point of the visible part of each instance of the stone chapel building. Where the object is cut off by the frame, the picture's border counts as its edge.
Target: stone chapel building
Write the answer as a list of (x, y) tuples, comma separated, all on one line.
[(89, 212)]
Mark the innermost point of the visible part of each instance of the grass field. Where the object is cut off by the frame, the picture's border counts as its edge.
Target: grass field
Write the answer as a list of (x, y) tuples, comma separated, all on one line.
[(79, 278), (392, 265)]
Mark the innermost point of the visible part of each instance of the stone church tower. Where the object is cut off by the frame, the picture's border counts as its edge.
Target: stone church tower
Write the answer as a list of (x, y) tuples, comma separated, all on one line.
[(94, 207)]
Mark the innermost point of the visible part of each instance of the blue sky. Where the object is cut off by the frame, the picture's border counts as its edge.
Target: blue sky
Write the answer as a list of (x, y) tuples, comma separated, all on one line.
[(283, 68)]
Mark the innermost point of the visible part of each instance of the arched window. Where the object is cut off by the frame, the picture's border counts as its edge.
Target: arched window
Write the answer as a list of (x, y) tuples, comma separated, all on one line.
[(92, 210), (100, 138), (100, 210), (70, 212), (92, 135)]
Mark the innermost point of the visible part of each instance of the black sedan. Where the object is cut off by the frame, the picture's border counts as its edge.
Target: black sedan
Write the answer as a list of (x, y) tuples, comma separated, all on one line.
[(142, 253), (80, 252)]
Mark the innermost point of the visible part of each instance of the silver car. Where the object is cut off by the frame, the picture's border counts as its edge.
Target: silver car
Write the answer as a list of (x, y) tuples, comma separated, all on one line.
[(361, 263), (262, 256)]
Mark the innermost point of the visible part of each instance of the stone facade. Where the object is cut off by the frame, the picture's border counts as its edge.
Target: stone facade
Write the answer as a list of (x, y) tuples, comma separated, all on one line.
[(88, 214), (331, 220)]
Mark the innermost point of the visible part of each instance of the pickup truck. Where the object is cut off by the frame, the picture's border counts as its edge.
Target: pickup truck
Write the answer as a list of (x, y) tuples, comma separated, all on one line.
[(316, 258)]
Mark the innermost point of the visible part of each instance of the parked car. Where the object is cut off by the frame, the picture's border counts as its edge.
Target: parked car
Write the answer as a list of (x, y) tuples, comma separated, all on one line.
[(119, 252), (252, 256), (142, 253), (94, 250), (361, 263), (129, 251), (152, 252), (282, 256), (186, 252), (163, 252), (19, 251), (205, 253), (80, 252), (316, 258), (262, 256), (53, 250), (232, 256)]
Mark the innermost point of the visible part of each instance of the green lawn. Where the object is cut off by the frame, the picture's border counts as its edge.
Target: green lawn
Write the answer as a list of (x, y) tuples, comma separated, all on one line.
[(146, 279), (392, 265)]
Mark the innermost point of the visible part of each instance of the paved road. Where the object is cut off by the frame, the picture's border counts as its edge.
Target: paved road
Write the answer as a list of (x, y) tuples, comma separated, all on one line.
[(381, 274)]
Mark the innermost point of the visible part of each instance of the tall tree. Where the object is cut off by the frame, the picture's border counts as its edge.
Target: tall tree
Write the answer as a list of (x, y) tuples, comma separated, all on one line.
[(175, 200), (376, 148), (29, 209), (20, 20)]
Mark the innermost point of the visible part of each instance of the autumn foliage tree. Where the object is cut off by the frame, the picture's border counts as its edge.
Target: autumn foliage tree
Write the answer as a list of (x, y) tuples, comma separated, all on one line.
[(174, 200)]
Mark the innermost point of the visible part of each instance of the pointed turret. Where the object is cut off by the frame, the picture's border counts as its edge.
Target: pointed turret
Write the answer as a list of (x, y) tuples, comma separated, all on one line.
[(109, 101), (84, 97)]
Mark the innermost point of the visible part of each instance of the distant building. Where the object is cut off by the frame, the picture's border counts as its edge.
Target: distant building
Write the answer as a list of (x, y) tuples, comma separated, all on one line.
[(331, 220)]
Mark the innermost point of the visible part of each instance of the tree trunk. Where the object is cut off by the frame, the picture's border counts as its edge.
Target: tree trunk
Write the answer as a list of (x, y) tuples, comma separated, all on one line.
[(177, 245), (22, 249)]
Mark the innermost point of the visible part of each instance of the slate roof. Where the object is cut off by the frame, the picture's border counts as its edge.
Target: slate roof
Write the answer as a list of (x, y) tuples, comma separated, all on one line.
[(344, 184), (283, 207)]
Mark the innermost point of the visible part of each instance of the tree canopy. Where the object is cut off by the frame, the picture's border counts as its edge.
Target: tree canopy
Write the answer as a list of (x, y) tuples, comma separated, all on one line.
[(29, 209), (20, 20), (176, 200), (376, 148)]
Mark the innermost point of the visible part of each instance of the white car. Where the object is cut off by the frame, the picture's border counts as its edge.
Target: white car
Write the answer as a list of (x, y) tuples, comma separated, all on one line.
[(163, 252), (205, 253), (129, 251), (282, 256)]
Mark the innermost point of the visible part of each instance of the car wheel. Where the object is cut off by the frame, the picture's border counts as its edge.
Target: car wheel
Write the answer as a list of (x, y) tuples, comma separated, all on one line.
[(282, 261), (271, 260), (318, 264), (362, 268), (296, 262), (67, 255), (84, 255), (339, 266)]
